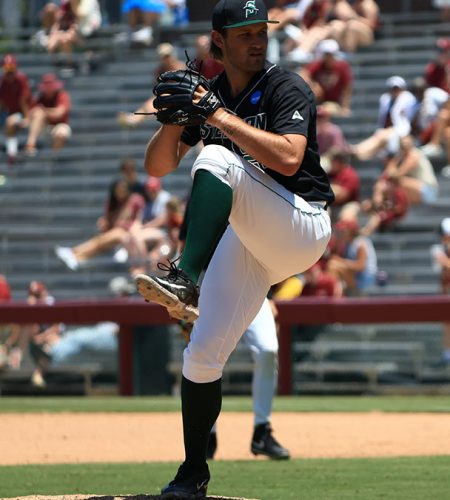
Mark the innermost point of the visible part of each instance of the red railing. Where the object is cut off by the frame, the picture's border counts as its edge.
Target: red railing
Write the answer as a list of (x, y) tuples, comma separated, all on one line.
[(132, 312)]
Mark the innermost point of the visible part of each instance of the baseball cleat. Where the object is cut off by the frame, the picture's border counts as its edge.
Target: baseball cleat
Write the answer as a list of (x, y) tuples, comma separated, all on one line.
[(187, 484), (263, 443), (175, 291)]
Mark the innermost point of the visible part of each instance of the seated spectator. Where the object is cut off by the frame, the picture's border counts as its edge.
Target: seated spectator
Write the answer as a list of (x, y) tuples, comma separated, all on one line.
[(168, 62), (49, 112), (65, 26), (128, 171), (395, 112), (142, 16), (440, 137), (29, 335), (73, 346), (5, 290), (353, 261), (312, 27), (15, 100), (429, 101), (330, 79), (355, 23), (314, 282), (64, 35), (151, 236), (329, 136), (440, 255), (89, 16), (413, 172), (206, 64), (123, 212), (437, 71), (343, 177), (389, 203), (179, 13)]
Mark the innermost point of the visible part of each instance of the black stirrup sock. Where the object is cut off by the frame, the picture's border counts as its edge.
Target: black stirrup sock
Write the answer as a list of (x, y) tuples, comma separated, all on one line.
[(201, 404)]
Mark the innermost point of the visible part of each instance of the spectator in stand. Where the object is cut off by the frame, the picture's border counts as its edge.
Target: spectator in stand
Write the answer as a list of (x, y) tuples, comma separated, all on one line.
[(312, 27), (315, 282), (142, 16), (30, 335), (353, 261), (129, 172), (66, 25), (440, 135), (64, 35), (437, 71), (429, 101), (355, 23), (395, 113), (329, 136), (15, 100), (330, 78), (5, 290), (413, 172), (343, 177), (440, 255), (50, 111), (123, 213), (168, 62), (207, 65), (389, 203), (5, 296), (152, 236), (70, 346)]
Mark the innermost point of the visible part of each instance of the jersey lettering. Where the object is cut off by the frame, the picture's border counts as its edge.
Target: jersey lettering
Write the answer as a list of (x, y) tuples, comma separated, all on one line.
[(297, 116)]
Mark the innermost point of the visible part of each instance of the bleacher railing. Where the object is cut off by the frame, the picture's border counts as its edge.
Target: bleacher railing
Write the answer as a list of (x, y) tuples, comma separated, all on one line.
[(303, 311)]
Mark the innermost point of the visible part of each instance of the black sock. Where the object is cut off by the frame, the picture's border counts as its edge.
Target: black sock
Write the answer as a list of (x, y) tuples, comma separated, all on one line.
[(201, 404)]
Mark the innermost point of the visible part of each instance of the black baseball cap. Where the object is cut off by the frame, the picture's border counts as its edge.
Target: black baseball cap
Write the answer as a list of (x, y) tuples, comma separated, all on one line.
[(236, 13)]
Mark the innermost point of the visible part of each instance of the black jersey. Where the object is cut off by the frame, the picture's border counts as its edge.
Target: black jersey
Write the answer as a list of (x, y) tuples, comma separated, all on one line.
[(278, 101)]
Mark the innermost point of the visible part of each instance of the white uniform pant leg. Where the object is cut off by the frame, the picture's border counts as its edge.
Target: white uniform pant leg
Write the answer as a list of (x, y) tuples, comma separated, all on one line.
[(261, 338), (232, 292), (282, 231)]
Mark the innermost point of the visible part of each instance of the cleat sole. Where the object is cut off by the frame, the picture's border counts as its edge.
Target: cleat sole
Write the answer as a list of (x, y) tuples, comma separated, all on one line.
[(153, 292)]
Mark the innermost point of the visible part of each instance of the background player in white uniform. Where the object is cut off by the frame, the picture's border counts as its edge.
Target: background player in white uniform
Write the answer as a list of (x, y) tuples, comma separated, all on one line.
[(259, 174), (261, 338)]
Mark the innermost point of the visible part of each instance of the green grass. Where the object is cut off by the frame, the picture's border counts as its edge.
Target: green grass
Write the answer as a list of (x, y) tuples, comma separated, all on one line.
[(352, 479), (285, 404)]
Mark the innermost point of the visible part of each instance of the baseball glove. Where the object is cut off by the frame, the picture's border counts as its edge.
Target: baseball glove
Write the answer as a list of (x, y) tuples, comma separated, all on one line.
[(175, 98)]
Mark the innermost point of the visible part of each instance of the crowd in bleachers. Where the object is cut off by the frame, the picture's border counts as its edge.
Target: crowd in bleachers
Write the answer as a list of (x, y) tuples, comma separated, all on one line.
[(317, 37)]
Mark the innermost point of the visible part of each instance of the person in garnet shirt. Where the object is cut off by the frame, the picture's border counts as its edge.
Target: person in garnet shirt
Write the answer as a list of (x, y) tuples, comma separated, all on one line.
[(51, 109), (15, 99), (437, 72), (343, 177), (330, 78)]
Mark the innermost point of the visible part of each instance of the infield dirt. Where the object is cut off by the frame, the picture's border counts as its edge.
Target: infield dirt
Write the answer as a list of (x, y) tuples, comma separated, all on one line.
[(144, 437)]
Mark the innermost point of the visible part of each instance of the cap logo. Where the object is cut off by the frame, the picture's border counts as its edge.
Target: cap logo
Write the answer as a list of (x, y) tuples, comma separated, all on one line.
[(250, 8)]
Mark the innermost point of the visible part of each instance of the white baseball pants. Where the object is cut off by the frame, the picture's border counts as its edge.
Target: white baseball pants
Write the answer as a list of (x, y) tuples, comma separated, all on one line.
[(273, 234)]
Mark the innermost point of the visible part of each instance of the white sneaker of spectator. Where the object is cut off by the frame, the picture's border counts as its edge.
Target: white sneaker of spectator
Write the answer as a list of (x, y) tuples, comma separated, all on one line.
[(121, 256), (445, 172), (39, 39), (144, 36), (68, 257), (432, 150)]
